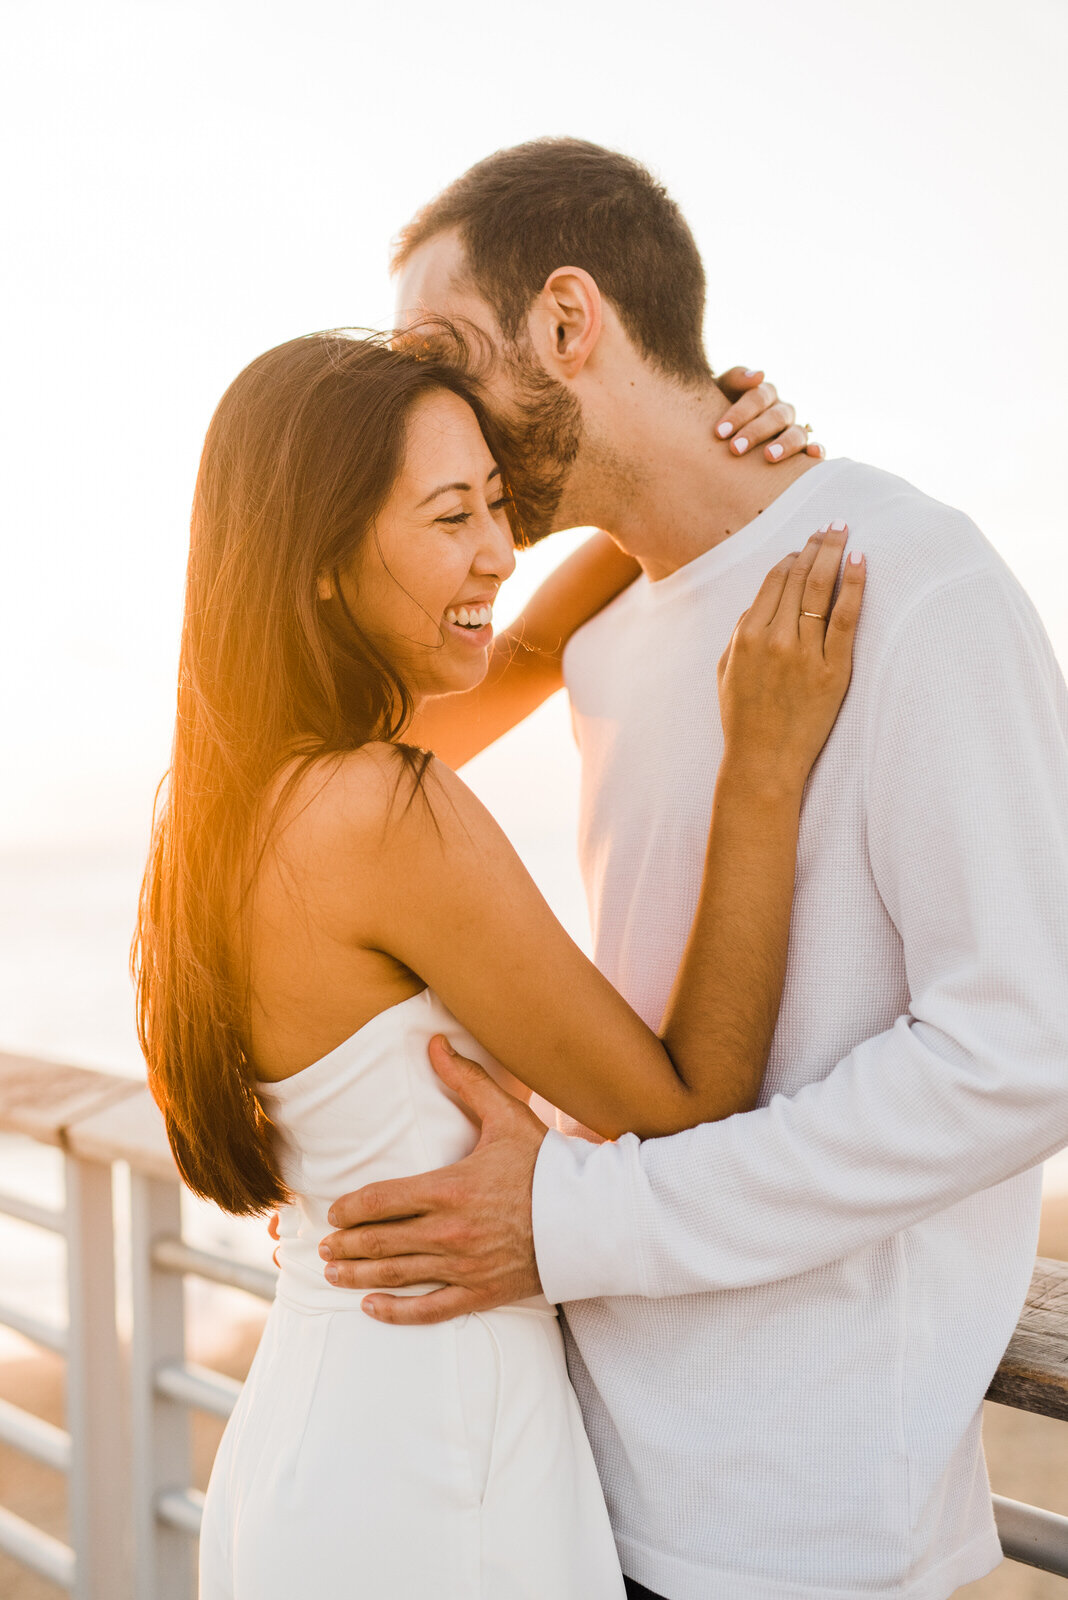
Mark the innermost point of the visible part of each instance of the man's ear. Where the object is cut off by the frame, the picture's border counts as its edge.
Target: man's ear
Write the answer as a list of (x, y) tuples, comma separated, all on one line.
[(565, 323)]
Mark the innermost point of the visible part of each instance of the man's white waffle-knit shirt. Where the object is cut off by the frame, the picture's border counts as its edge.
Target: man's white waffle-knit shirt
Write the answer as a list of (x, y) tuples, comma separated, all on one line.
[(781, 1326)]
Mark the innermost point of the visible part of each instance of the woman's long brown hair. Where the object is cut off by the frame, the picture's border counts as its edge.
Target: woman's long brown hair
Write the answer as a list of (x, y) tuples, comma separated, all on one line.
[(301, 454)]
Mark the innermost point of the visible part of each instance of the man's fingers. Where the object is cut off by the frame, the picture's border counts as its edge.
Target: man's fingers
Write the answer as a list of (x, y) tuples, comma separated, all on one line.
[(419, 1310), (467, 1079), (373, 1241), (398, 1272), (388, 1200), (750, 405), (399, 1199)]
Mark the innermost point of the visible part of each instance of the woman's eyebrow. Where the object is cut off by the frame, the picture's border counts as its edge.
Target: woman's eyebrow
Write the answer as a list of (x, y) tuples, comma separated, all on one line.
[(465, 488)]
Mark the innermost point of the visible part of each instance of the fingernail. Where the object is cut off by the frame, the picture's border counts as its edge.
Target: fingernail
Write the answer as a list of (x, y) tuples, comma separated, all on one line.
[(741, 445), (856, 557), (751, 372), (775, 451), (326, 1252), (331, 1217), (446, 1046), (368, 1306), (838, 527), (825, 529), (724, 429), (331, 1274)]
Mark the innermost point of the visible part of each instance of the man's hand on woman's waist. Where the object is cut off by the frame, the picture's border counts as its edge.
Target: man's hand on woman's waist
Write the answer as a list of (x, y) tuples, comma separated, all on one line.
[(467, 1226)]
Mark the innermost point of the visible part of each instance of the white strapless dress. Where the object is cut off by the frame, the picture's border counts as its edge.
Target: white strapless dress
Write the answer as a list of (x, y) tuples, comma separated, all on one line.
[(369, 1462)]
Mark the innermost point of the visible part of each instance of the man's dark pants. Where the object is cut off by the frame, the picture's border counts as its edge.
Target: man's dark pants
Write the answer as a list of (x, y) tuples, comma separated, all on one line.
[(637, 1591)]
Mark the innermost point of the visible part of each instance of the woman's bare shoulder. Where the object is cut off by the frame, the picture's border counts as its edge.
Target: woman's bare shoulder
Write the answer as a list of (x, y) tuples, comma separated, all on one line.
[(356, 803)]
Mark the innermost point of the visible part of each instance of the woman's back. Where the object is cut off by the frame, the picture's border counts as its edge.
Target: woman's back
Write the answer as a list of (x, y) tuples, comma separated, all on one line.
[(314, 974)]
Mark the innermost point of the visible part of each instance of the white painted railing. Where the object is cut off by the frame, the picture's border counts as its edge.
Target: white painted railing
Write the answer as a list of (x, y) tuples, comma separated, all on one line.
[(92, 1450), (134, 1515), (126, 1448)]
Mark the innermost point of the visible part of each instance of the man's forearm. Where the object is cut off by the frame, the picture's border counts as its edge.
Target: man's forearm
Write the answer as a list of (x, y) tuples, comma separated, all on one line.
[(896, 1133)]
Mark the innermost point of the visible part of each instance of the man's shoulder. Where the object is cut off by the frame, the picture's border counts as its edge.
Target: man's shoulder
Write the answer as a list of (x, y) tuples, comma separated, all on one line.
[(919, 541), (917, 547), (932, 576)]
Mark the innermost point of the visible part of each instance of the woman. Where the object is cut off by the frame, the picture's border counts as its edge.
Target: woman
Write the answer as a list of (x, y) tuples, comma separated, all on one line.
[(323, 898)]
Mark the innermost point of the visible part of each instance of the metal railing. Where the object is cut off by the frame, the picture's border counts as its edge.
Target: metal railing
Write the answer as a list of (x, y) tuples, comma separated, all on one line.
[(126, 1449)]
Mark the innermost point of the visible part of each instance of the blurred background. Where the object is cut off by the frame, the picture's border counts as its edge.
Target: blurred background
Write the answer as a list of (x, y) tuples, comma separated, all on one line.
[(878, 194)]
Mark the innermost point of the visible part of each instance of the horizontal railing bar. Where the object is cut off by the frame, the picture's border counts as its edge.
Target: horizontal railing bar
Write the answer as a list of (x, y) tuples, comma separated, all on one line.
[(190, 1385), (48, 1557), (182, 1509), (1037, 1538), (174, 1255), (12, 1205), (34, 1437), (44, 1333)]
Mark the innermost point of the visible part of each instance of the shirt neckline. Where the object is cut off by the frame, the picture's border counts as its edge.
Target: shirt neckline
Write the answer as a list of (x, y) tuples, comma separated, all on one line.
[(749, 538)]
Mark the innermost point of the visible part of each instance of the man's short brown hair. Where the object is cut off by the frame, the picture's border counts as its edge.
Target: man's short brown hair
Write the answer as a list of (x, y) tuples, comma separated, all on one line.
[(523, 212)]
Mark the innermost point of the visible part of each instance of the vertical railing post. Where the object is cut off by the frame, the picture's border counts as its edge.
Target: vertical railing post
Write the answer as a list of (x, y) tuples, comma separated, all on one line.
[(96, 1392), (164, 1556)]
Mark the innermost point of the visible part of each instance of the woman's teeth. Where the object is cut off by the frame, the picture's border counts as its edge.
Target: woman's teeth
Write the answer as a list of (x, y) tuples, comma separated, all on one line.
[(473, 617)]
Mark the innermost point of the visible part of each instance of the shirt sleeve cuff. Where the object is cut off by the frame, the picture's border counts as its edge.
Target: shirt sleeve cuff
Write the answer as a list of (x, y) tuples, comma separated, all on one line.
[(585, 1240)]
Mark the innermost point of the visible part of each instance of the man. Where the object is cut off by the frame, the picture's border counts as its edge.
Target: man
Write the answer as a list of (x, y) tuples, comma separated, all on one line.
[(781, 1326)]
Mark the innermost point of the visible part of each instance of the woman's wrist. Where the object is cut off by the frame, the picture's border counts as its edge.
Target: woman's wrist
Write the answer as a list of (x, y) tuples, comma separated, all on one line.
[(753, 779)]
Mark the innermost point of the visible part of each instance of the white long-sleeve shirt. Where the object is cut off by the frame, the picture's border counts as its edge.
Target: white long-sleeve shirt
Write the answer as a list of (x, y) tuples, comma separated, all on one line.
[(781, 1325)]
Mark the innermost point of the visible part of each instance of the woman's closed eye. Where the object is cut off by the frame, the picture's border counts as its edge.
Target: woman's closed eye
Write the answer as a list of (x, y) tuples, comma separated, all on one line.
[(456, 518)]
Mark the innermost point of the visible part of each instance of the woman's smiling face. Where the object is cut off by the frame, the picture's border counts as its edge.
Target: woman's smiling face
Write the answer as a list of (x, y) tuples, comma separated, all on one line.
[(423, 583)]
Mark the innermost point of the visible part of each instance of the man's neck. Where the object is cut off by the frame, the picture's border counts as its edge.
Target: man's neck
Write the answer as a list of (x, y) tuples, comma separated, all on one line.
[(664, 486)]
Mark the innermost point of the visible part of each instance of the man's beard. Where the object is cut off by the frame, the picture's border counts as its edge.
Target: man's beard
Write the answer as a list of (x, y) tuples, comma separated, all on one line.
[(540, 440)]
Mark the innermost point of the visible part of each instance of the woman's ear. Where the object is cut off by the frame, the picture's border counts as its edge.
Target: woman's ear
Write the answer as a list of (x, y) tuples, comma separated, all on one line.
[(324, 587)]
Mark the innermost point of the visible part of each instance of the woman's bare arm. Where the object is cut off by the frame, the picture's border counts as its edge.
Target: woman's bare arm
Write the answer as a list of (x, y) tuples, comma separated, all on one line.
[(445, 893), (525, 666)]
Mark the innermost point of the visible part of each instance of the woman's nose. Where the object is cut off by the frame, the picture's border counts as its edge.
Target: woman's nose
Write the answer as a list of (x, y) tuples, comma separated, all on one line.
[(496, 555)]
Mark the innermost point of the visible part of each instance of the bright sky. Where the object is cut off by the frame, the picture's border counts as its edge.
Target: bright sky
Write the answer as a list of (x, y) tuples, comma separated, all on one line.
[(876, 188)]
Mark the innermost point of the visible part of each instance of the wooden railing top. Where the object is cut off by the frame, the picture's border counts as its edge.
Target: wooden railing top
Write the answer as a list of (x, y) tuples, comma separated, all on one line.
[(45, 1099), (98, 1115), (103, 1117), (130, 1129), (1033, 1375)]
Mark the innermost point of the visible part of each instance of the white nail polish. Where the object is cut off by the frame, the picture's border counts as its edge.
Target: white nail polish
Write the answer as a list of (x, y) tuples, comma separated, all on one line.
[(741, 445), (856, 557), (775, 451), (825, 529), (723, 430), (838, 526), (751, 372)]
